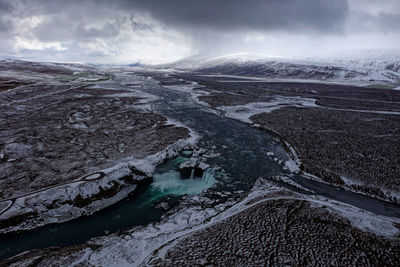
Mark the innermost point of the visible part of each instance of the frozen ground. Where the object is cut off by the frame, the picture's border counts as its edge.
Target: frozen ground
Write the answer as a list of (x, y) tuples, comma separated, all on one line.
[(61, 123), (269, 225), (337, 130)]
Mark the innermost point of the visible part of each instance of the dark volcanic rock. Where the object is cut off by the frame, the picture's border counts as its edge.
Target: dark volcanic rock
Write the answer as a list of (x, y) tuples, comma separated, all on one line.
[(352, 134), (281, 233), (57, 127), (359, 145), (193, 166)]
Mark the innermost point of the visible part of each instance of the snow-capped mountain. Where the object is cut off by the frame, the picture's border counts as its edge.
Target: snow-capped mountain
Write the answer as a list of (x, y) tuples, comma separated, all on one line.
[(371, 66)]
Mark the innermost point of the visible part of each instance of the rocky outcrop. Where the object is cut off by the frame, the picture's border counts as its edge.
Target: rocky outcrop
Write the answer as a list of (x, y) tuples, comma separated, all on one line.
[(193, 167)]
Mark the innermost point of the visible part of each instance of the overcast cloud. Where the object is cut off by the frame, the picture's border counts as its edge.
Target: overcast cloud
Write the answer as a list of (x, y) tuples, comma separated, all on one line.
[(155, 31)]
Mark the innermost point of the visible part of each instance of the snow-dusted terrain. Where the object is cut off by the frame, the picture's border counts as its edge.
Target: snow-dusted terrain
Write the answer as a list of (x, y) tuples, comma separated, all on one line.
[(144, 245), (42, 183), (371, 67), (58, 204), (276, 210)]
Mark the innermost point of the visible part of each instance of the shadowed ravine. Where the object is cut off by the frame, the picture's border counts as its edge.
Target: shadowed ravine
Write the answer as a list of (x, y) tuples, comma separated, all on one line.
[(243, 157)]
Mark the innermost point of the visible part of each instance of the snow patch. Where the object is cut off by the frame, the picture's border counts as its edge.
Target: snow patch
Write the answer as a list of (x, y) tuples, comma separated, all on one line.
[(361, 219), (244, 112), (292, 166)]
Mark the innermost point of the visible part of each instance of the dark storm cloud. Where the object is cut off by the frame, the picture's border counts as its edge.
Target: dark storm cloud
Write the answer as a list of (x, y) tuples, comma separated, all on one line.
[(69, 18), (362, 21), (222, 15), (318, 15), (5, 9), (5, 25), (160, 27)]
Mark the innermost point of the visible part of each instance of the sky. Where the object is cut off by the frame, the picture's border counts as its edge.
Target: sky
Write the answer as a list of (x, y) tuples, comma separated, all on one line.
[(160, 31)]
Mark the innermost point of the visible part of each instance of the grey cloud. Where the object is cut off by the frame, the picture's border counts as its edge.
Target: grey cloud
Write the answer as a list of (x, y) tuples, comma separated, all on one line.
[(388, 21), (5, 11), (299, 15), (265, 15), (200, 25), (140, 26), (5, 25), (362, 21), (107, 31), (5, 7), (59, 28), (75, 23)]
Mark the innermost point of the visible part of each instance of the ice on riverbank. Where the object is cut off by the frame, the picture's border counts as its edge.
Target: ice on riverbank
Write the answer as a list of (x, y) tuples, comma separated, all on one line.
[(146, 244), (85, 195), (244, 112)]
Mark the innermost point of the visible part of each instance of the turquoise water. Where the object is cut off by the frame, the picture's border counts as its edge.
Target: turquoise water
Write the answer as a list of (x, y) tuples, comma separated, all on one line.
[(140, 208), (171, 183)]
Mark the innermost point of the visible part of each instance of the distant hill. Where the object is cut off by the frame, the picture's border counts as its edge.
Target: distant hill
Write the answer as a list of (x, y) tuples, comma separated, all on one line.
[(363, 65), (137, 64)]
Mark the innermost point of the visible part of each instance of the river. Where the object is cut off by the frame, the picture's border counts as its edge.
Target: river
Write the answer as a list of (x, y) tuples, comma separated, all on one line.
[(243, 157)]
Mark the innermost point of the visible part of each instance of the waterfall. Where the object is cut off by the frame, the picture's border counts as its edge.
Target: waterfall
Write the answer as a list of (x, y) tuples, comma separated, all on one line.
[(208, 177), (170, 183)]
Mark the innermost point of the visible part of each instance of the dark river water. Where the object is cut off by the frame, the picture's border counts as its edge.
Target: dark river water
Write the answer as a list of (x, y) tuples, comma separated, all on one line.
[(242, 156)]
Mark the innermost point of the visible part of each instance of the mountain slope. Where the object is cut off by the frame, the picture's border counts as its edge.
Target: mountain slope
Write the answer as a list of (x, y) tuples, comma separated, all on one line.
[(383, 67)]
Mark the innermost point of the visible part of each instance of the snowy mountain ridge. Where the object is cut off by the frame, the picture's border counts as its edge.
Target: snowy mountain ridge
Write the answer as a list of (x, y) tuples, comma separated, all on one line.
[(368, 66)]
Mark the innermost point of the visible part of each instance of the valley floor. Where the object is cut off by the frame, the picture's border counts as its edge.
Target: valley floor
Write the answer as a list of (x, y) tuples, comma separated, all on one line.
[(98, 135)]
